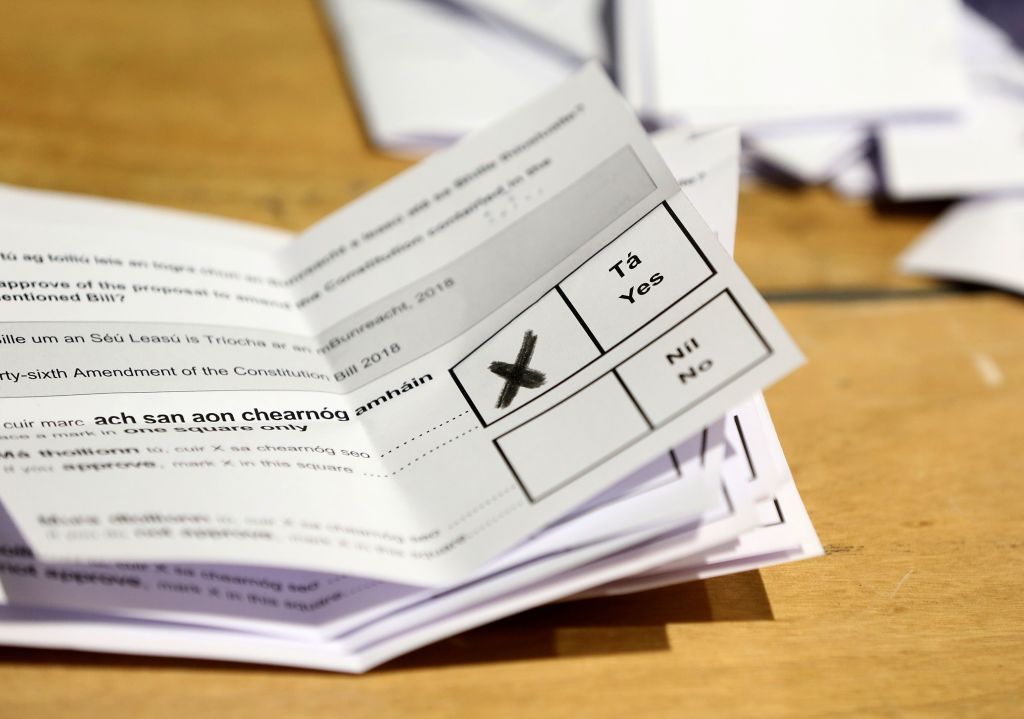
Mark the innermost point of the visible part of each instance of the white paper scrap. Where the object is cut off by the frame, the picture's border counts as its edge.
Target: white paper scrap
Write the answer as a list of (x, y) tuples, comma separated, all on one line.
[(980, 240), (426, 72), (751, 62)]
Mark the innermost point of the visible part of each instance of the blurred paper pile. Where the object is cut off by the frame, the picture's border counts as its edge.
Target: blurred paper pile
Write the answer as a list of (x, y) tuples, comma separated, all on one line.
[(908, 100)]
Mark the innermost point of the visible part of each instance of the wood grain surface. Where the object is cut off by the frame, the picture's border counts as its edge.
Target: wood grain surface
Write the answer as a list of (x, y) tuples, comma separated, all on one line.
[(903, 430)]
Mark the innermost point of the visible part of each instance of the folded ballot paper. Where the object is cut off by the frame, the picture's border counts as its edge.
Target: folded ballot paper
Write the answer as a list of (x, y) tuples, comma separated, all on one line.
[(524, 370)]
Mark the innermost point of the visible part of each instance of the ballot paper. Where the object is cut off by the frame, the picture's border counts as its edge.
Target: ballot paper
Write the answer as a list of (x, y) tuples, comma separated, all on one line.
[(754, 63), (642, 527), (414, 386), (426, 72), (976, 241), (978, 151), (575, 27)]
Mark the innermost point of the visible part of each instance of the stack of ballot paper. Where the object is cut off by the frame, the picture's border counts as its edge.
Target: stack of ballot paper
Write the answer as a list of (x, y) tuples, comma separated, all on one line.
[(807, 82), (811, 85), (524, 371)]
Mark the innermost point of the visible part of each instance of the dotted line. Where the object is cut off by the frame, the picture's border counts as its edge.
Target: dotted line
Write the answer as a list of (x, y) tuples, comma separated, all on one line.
[(495, 519), (481, 506), (431, 451), (427, 431)]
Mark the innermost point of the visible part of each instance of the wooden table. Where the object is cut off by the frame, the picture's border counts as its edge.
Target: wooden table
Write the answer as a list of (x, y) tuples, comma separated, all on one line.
[(903, 430)]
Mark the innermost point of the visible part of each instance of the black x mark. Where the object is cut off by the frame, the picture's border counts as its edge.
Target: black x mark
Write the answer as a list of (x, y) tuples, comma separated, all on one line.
[(518, 374)]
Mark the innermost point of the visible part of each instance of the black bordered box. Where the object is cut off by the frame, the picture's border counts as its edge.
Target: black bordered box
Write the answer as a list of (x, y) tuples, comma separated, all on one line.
[(700, 354), (558, 347), (636, 278), (579, 433), (481, 402)]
